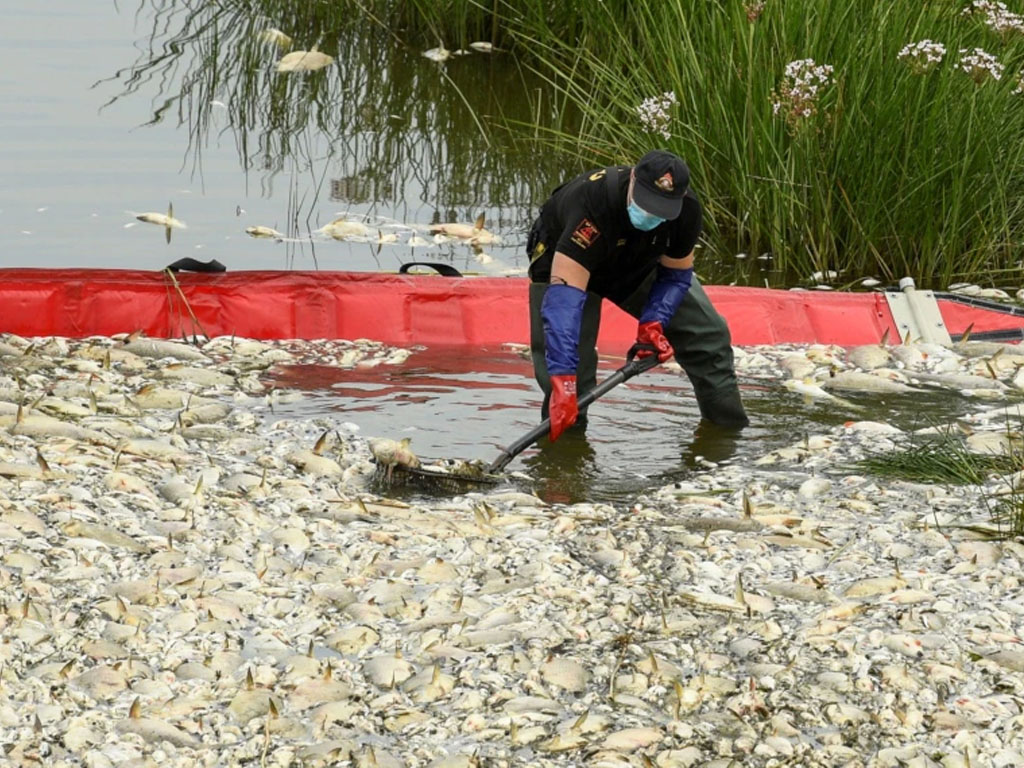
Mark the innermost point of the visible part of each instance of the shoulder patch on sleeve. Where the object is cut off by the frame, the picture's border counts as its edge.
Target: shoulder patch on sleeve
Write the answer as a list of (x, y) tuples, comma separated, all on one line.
[(585, 233)]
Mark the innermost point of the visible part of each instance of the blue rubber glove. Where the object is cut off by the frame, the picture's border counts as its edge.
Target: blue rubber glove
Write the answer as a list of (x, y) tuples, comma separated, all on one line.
[(562, 311), (667, 293), (669, 289)]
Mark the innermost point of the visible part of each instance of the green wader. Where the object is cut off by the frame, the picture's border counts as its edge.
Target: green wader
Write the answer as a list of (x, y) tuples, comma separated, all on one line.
[(697, 333)]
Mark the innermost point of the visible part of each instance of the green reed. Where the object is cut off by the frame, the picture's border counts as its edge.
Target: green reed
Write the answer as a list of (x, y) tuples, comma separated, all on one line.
[(894, 173), (945, 459)]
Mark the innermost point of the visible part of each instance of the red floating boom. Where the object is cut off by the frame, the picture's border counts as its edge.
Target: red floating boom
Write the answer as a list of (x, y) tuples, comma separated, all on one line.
[(405, 309)]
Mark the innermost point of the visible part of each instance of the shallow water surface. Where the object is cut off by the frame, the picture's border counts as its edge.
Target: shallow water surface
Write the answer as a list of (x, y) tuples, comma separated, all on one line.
[(465, 404), (111, 109)]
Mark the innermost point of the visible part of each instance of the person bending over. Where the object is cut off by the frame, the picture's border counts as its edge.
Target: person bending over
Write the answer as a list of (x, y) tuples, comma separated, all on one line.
[(625, 234)]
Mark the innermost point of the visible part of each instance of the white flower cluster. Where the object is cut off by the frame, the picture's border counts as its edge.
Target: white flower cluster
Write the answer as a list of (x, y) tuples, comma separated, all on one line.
[(980, 64), (996, 16), (797, 96), (655, 113), (922, 56)]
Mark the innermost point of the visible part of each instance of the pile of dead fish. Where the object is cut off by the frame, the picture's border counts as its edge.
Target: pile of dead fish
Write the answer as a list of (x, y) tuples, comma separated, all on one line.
[(188, 579)]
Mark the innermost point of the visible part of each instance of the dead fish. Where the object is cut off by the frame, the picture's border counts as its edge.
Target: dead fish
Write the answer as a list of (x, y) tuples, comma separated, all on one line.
[(160, 348), (810, 389), (983, 348), (438, 54), (264, 232), (388, 671), (304, 61), (565, 673), (312, 463), (203, 377), (798, 366), (81, 529), (342, 229), (856, 381), (1013, 660), (472, 233), (958, 381), (869, 356), (276, 37), (708, 523), (38, 425), (483, 47), (391, 453), (156, 731), (793, 590), (165, 220), (875, 586)]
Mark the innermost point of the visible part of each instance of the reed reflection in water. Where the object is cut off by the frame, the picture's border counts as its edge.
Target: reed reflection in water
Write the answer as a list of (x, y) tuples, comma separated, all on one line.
[(381, 132)]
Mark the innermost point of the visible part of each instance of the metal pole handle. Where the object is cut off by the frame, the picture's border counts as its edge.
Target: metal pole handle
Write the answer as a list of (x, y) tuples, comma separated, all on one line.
[(633, 366)]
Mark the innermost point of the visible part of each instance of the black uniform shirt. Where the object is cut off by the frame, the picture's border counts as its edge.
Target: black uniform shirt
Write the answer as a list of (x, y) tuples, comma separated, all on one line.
[(586, 219)]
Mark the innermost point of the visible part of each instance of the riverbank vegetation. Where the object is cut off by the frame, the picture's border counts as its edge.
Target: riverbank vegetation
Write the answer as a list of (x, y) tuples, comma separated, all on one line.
[(829, 142), (943, 458), (861, 138)]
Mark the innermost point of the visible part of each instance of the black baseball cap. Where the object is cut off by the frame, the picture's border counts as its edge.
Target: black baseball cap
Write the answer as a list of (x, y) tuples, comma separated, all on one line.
[(661, 182)]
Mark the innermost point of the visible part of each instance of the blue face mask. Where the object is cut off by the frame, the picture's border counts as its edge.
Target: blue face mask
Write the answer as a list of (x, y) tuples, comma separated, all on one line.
[(641, 219)]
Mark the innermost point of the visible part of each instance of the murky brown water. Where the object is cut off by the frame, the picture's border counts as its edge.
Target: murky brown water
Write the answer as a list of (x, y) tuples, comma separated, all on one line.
[(458, 403)]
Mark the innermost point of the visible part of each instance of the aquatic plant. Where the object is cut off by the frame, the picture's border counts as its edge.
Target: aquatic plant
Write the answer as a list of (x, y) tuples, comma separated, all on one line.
[(923, 56), (980, 65), (943, 458), (797, 97), (656, 113), (876, 171), (939, 459)]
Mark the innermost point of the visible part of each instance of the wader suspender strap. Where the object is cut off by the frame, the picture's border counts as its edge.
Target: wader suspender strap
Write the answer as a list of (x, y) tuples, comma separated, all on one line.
[(611, 185)]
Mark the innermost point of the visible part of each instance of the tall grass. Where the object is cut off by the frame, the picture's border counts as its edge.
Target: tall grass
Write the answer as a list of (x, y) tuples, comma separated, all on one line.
[(894, 174)]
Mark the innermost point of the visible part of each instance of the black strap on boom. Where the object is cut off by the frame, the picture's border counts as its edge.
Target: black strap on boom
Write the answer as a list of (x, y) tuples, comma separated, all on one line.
[(192, 265), (447, 270)]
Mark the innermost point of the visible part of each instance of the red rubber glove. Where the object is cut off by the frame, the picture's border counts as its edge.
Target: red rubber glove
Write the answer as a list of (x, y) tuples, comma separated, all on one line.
[(562, 405), (652, 333)]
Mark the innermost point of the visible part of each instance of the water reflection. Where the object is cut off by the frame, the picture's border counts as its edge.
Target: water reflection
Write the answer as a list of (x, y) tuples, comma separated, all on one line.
[(711, 443), (382, 129), (566, 471)]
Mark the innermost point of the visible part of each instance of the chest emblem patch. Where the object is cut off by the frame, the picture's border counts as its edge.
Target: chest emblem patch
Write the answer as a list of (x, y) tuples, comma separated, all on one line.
[(585, 233)]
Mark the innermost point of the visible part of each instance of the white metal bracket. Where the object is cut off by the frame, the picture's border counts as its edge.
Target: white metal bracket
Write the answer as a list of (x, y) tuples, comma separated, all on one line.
[(917, 313)]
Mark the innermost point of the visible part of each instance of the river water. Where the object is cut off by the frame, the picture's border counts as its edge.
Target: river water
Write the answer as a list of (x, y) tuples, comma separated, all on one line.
[(112, 109)]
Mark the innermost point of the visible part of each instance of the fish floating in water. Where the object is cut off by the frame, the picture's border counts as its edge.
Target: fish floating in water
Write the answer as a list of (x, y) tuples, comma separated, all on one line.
[(343, 229), (264, 232), (165, 220), (811, 390), (870, 356), (304, 61), (276, 37), (867, 382), (474, 234), (438, 54)]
